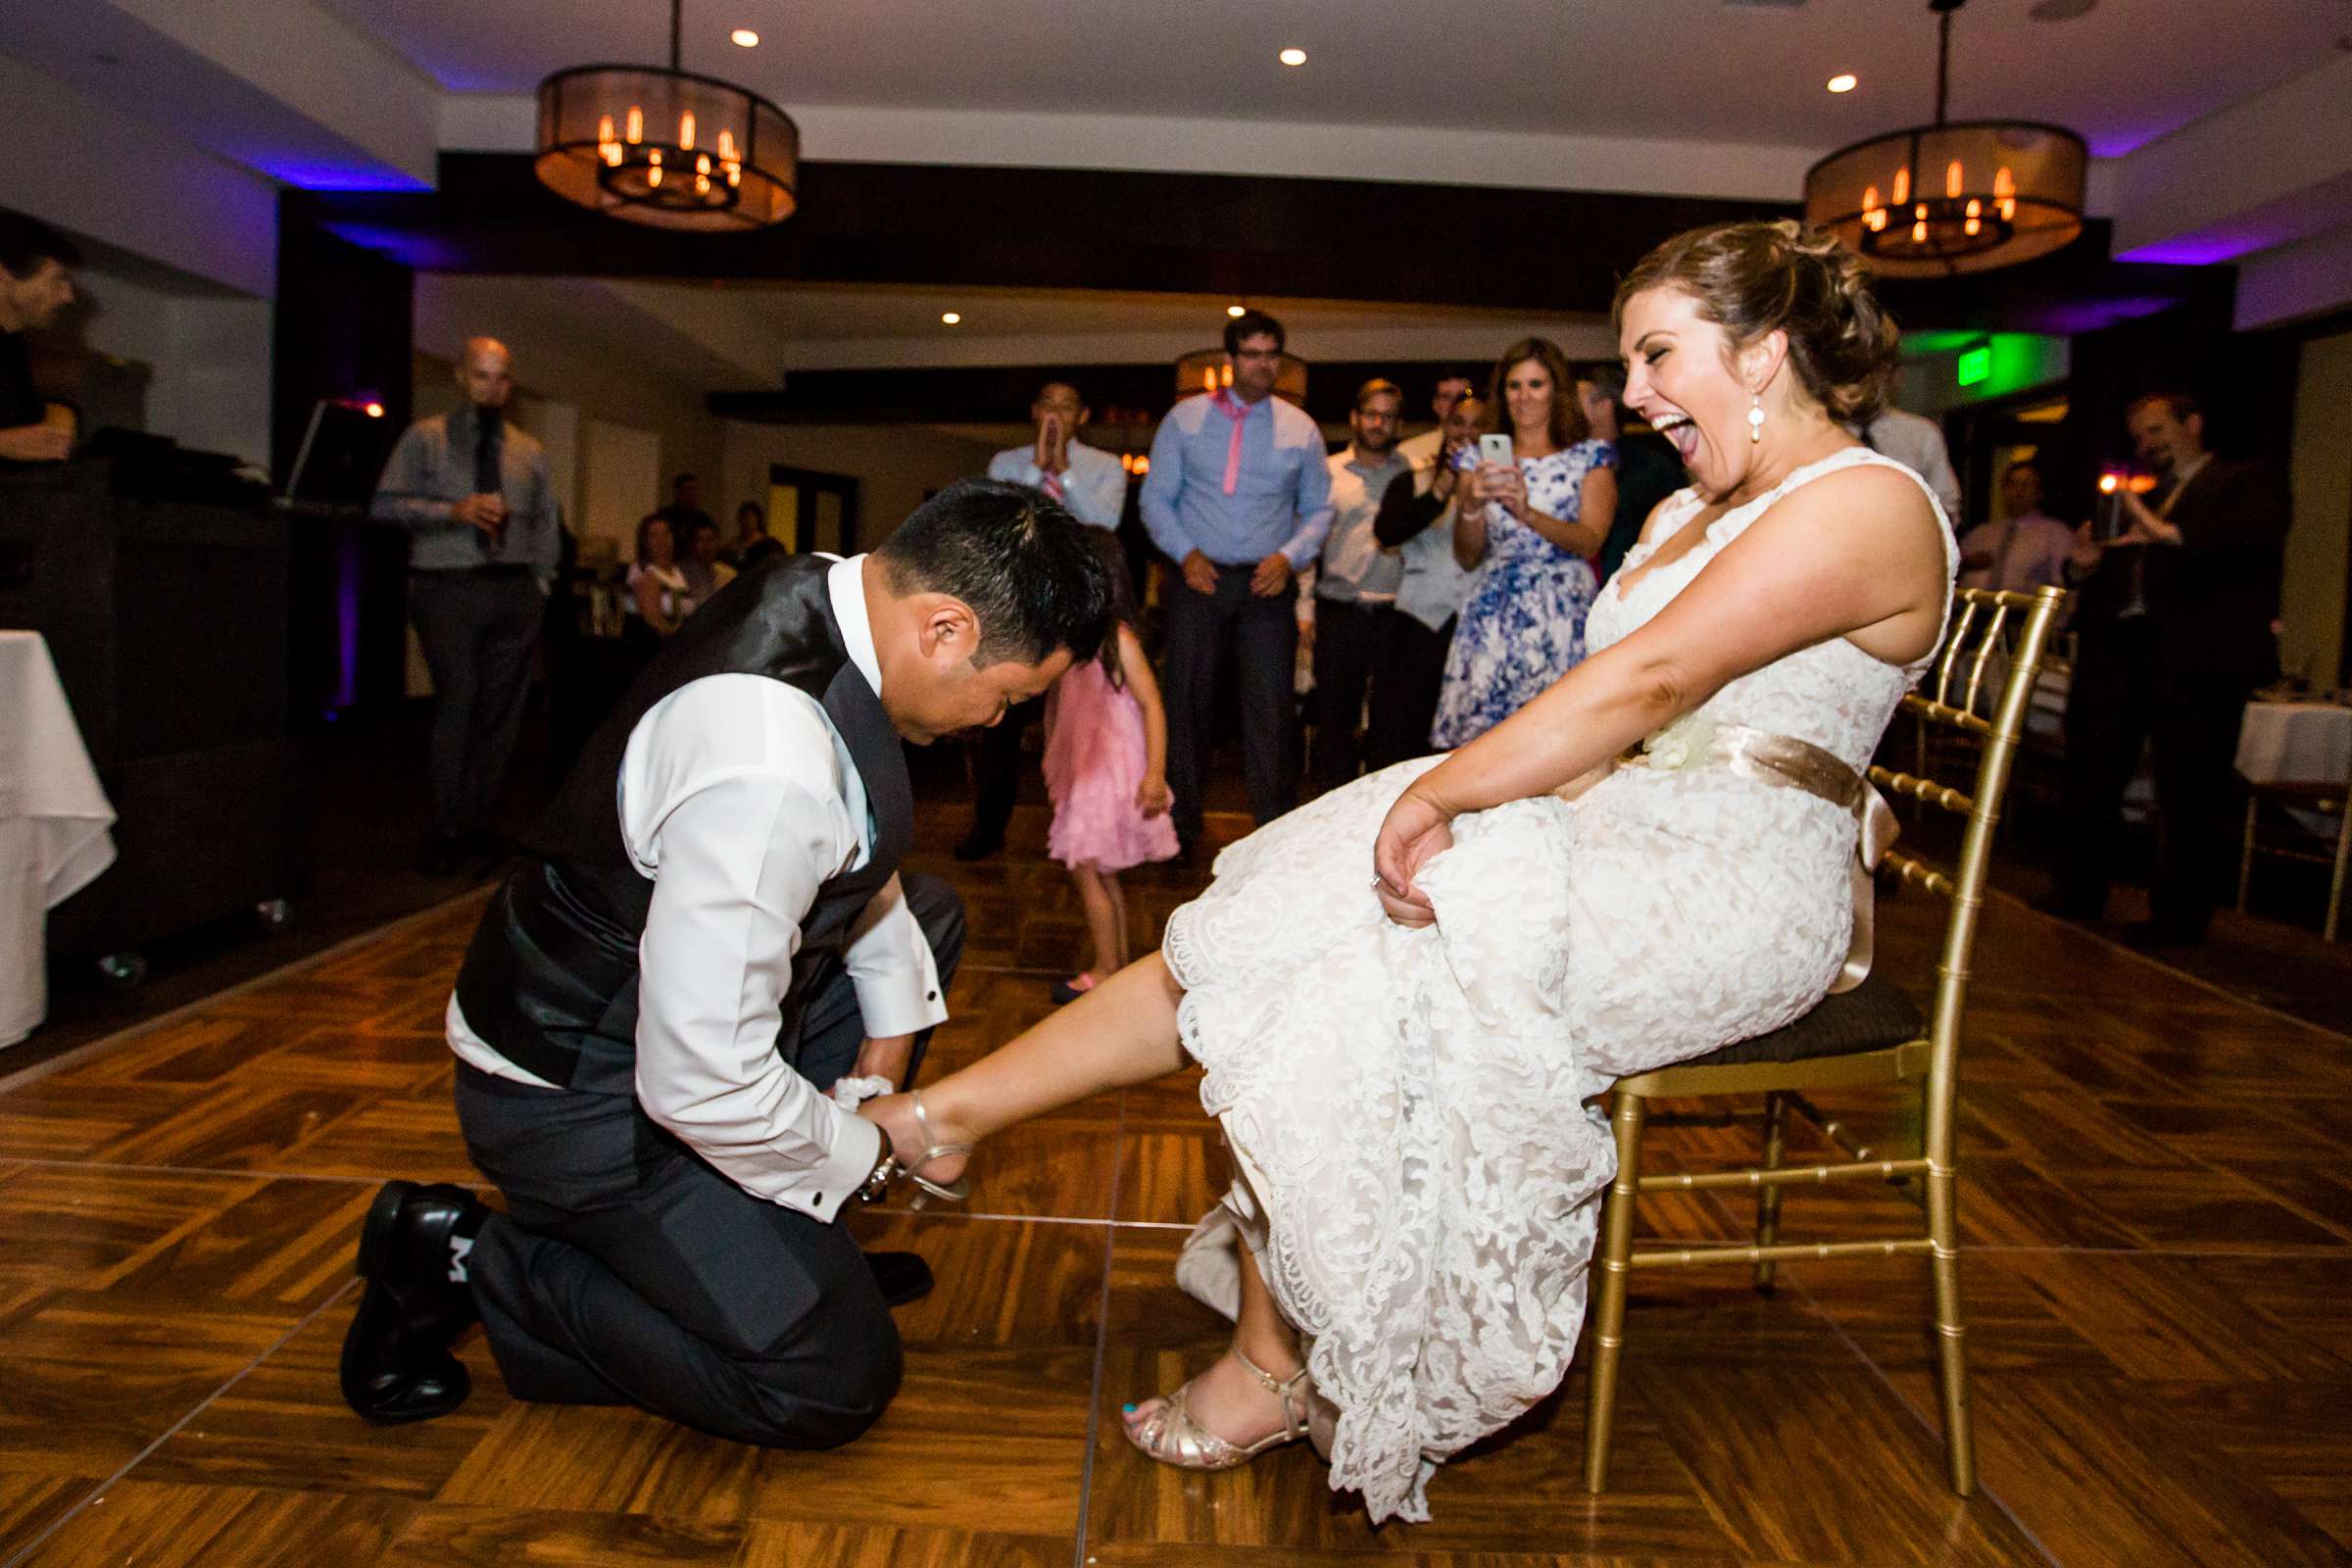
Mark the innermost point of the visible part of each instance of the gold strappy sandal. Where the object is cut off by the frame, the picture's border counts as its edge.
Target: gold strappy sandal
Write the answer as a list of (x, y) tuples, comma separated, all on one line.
[(877, 1185), (1172, 1437)]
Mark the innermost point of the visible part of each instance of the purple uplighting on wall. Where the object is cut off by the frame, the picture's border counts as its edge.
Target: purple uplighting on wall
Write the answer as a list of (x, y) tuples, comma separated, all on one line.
[(311, 176), (423, 252), (2093, 315), (2194, 250), (347, 625)]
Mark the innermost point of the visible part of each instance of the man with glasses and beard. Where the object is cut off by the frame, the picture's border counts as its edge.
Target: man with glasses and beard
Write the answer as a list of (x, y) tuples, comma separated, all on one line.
[(2175, 623), (1355, 585)]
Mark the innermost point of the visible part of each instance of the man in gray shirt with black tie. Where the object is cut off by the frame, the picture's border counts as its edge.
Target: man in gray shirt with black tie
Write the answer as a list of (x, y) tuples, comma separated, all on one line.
[(473, 491)]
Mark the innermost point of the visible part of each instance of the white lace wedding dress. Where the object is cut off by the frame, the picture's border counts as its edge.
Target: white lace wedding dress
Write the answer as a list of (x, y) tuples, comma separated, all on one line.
[(1420, 1171)]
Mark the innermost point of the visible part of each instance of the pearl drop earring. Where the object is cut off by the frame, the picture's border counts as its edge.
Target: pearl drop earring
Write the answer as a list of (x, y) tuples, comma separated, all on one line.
[(1756, 417)]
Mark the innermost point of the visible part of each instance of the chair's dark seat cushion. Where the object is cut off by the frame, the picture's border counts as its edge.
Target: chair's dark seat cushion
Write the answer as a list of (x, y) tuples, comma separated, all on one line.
[(1875, 1015)]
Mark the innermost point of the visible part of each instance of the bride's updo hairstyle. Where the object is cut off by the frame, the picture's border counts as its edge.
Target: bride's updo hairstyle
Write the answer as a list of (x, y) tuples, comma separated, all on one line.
[(1751, 278)]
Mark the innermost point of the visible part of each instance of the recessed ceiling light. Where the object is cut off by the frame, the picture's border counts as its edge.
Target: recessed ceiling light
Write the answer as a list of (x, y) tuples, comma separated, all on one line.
[(1293, 57), (1845, 82), (745, 38), (2060, 10), (1237, 310), (950, 317)]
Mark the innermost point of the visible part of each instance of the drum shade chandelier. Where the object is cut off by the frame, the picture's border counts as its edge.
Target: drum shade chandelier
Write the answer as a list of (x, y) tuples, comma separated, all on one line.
[(1957, 196), (667, 148)]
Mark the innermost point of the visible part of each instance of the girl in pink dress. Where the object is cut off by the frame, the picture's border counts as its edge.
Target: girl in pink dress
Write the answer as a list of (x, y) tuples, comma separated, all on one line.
[(1106, 748)]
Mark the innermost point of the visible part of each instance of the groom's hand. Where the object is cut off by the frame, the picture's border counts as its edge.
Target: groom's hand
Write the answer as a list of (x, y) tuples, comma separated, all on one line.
[(887, 1057)]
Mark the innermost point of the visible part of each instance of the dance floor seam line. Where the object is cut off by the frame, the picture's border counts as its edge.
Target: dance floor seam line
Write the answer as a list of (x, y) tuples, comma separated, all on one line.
[(1925, 1421), (97, 1494), (1079, 1219), (83, 1056), (2150, 961), (1093, 1396)]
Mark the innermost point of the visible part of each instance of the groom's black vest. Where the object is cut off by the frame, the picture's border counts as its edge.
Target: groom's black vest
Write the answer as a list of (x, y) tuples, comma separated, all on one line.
[(550, 978)]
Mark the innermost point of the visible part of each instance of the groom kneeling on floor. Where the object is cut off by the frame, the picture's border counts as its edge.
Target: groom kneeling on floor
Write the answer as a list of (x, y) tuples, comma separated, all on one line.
[(708, 932)]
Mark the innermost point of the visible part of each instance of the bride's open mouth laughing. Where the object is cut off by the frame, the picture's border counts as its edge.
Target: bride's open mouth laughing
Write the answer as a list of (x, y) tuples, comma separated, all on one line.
[(1679, 428)]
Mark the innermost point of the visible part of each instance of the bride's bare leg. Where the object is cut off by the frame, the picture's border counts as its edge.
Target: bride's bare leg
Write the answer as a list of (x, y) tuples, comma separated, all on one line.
[(1225, 1400), (1122, 1032)]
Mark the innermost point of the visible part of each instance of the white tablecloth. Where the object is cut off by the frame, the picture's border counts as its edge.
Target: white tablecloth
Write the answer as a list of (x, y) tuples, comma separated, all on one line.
[(53, 823), (2295, 743)]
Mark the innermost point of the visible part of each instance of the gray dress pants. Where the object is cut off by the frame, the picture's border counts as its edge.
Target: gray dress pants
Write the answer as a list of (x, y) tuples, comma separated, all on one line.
[(627, 1271), (477, 628)]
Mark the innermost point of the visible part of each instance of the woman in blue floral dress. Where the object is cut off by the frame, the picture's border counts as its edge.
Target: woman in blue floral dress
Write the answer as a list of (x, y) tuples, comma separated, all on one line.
[(1521, 528)]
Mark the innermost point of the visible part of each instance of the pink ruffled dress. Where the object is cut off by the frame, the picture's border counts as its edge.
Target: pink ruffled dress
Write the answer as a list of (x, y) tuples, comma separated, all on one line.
[(1094, 760)]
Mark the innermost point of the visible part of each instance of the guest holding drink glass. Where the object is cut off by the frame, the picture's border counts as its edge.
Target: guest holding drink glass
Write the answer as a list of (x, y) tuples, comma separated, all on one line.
[(473, 491)]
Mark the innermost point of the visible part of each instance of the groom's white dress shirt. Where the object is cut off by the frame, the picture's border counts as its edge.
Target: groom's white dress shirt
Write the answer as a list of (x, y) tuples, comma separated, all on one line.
[(738, 798)]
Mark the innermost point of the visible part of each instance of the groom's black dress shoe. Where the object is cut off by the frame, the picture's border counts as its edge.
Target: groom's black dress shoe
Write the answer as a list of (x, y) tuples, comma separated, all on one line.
[(396, 1361), (902, 1276)]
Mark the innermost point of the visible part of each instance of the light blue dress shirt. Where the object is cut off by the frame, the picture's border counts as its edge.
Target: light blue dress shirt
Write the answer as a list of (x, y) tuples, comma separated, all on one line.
[(1094, 488), (1281, 499)]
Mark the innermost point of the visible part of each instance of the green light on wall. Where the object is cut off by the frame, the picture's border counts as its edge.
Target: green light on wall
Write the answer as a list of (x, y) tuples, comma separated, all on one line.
[(1973, 365)]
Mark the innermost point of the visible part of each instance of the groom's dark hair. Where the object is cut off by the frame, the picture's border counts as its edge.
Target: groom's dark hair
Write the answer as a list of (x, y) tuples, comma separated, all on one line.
[(1017, 558)]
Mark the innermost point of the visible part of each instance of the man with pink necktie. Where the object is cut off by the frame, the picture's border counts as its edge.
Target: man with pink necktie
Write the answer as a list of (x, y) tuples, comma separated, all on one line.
[(1239, 497), (1091, 483)]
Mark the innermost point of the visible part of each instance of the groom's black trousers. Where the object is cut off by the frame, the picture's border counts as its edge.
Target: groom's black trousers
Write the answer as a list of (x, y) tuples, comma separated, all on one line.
[(627, 1271)]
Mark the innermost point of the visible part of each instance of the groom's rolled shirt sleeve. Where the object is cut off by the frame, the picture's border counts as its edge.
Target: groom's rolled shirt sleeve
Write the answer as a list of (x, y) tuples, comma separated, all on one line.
[(892, 967), (737, 864)]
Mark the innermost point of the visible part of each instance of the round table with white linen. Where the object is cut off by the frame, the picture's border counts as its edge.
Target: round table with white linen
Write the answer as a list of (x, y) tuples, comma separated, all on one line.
[(2299, 755), (2295, 743), (54, 823)]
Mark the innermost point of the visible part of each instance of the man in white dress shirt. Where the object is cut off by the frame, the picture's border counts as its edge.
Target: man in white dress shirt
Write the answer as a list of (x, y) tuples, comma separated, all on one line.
[(708, 933), (2023, 549), (1092, 484)]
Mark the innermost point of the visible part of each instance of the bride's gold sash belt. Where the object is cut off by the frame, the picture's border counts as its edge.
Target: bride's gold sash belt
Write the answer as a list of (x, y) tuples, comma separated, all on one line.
[(1694, 742)]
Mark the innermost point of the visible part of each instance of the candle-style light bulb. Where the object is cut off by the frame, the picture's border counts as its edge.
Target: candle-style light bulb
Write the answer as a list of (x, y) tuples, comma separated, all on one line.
[(636, 124), (686, 132)]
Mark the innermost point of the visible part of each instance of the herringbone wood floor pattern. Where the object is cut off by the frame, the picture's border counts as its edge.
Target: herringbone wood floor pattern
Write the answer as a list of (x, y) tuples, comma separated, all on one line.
[(2155, 1198)]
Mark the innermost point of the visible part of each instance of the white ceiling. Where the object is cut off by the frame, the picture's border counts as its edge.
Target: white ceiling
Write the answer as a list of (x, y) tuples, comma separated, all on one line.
[(1684, 70), (731, 334), (829, 313)]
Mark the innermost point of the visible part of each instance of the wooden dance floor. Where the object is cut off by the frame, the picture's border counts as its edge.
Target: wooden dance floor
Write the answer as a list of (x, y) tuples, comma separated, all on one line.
[(2155, 1196)]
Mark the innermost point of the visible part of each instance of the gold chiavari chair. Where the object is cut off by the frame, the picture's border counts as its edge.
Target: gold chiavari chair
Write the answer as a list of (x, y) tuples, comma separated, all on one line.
[(1872, 1034)]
